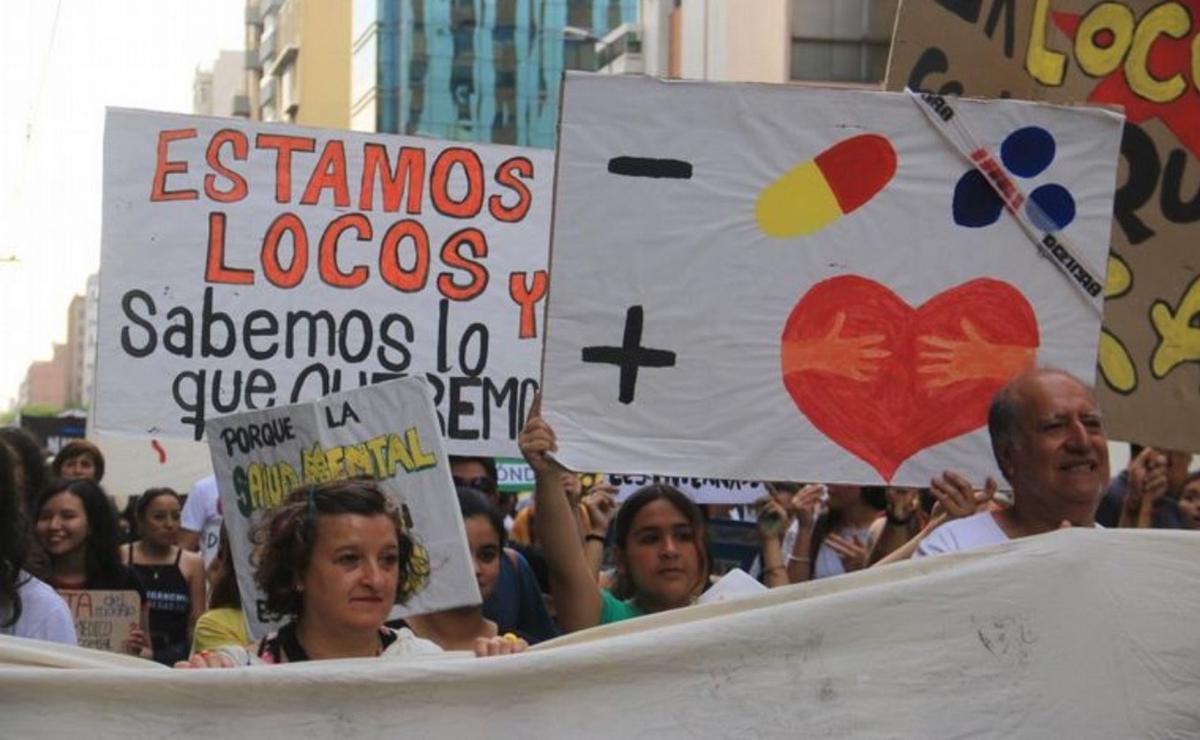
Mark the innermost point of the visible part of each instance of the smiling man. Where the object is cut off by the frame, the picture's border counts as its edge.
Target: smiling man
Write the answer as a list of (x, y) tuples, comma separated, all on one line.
[(1049, 442)]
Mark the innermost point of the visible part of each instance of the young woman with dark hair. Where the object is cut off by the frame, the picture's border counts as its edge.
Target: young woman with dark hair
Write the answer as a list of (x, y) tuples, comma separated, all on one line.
[(512, 597), (457, 629), (660, 544), (172, 577), (512, 600), (333, 559), (77, 528), (28, 607)]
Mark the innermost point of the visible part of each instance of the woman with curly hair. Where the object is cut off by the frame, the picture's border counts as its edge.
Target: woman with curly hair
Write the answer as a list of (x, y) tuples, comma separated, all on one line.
[(333, 559)]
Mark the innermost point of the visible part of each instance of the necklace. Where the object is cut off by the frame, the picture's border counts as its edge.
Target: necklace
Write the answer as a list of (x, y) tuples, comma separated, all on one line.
[(155, 569)]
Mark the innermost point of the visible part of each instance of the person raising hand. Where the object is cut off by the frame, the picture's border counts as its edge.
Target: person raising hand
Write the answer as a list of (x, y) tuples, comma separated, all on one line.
[(660, 543)]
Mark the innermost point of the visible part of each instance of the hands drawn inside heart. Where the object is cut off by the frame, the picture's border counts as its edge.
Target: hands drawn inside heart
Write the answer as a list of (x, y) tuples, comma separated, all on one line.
[(941, 360), (851, 357)]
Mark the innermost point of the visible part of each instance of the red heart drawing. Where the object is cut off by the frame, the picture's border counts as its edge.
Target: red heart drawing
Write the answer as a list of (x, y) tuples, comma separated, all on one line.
[(884, 409)]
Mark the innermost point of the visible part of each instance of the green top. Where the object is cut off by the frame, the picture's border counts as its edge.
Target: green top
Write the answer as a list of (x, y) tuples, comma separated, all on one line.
[(613, 609)]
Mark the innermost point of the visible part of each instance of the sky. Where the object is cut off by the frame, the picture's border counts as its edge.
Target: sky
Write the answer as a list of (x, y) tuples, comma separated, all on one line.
[(62, 63)]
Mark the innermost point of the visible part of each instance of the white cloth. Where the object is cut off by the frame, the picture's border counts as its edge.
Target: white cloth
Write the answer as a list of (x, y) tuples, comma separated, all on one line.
[(202, 513), (1075, 633), (405, 645), (977, 530), (44, 614)]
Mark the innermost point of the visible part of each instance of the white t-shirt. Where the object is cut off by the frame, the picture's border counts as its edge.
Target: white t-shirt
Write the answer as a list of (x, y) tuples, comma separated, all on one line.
[(44, 614), (202, 513), (968, 533)]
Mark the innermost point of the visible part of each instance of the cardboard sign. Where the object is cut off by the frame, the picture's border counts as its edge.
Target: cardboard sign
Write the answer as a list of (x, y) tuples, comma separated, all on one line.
[(388, 432), (1139, 54), (103, 619), (813, 284), (247, 265)]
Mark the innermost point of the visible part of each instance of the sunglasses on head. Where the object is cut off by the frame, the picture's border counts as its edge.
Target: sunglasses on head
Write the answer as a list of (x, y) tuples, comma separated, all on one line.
[(482, 483)]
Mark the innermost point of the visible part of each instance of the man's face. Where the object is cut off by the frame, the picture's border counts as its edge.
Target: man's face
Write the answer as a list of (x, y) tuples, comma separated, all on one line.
[(1061, 450)]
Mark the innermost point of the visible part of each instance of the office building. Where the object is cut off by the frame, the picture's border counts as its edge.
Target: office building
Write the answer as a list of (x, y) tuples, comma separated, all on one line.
[(298, 61), (474, 70)]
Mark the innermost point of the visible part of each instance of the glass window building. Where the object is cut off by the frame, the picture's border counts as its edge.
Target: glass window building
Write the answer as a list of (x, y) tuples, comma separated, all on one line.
[(473, 70)]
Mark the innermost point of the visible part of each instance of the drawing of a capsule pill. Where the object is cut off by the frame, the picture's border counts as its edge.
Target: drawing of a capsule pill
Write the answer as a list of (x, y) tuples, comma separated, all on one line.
[(837, 181)]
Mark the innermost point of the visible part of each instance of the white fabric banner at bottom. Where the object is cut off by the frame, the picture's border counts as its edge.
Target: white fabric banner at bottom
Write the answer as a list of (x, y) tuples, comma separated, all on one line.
[(1073, 634)]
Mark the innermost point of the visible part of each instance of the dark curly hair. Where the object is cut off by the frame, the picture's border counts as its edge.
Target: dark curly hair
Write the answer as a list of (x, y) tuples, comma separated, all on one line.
[(12, 541), (78, 448), (103, 536), (32, 462), (288, 535)]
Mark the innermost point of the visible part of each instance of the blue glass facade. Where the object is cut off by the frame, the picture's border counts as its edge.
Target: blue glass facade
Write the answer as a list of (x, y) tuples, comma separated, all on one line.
[(475, 70)]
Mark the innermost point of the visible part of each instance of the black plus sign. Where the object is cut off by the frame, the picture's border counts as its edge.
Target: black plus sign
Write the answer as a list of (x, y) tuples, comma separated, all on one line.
[(630, 355)]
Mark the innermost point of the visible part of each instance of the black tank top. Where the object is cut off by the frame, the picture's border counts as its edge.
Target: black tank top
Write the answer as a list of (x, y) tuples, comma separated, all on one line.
[(170, 608)]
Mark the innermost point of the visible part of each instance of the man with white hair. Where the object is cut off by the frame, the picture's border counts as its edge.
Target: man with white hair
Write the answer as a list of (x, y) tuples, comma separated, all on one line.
[(1049, 443)]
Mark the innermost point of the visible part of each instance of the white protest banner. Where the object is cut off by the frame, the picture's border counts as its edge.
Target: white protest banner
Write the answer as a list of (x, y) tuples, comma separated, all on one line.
[(103, 619), (810, 284), (388, 432), (248, 265), (1076, 633)]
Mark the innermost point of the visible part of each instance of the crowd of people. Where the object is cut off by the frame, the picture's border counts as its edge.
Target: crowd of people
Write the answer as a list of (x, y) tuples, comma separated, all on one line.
[(334, 559)]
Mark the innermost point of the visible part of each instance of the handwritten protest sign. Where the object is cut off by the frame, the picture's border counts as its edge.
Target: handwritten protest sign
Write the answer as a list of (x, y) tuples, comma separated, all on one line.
[(812, 284), (249, 265), (1139, 54), (103, 619), (388, 432)]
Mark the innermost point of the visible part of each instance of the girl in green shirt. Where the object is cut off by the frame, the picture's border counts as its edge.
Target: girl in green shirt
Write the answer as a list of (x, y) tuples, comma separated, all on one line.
[(661, 544)]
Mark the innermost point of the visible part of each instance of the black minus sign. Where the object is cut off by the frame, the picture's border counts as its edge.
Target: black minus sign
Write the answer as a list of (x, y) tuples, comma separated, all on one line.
[(649, 167)]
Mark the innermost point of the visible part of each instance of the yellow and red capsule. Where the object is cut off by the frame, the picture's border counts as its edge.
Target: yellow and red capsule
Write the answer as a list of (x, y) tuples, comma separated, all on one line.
[(837, 181)]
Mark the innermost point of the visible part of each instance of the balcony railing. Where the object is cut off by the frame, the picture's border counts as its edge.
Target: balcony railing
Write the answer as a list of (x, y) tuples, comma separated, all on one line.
[(266, 46), (266, 91), (626, 39)]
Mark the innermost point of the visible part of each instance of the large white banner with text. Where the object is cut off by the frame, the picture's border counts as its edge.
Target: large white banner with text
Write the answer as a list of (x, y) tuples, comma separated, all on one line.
[(247, 265)]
